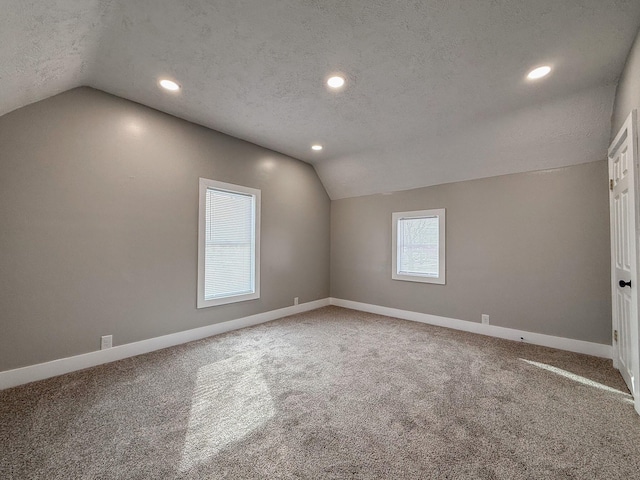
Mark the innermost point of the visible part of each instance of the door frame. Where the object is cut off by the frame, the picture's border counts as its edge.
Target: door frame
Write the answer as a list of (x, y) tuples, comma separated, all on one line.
[(628, 130)]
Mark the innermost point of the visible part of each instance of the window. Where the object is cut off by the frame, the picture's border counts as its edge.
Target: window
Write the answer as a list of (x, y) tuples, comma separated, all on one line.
[(228, 243), (418, 246)]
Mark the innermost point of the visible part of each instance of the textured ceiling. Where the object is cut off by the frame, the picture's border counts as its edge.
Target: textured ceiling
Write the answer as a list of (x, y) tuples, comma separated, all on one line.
[(436, 90)]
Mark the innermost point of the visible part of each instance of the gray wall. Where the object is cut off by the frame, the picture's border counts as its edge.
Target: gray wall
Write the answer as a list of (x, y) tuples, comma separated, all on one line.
[(98, 215), (531, 250), (628, 92)]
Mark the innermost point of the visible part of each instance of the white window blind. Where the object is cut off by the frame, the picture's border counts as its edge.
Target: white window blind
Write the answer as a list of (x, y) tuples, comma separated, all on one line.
[(229, 243), (419, 246)]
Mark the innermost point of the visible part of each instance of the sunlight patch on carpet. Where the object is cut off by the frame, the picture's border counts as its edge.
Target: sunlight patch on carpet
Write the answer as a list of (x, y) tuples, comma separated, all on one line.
[(580, 379), (231, 400)]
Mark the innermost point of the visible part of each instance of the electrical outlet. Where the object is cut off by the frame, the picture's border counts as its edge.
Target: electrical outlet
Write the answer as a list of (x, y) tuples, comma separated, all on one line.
[(295, 300), (106, 341), (485, 319)]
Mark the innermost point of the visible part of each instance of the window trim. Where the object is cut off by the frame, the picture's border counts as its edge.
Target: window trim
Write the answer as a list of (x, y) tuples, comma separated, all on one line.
[(395, 249), (205, 184)]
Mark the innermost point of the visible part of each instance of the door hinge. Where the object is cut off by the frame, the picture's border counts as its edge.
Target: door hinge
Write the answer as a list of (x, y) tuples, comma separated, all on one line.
[(615, 335), (611, 184)]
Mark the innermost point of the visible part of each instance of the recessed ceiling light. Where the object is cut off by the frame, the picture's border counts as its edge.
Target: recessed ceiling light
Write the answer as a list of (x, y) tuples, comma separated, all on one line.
[(317, 148), (335, 81), (539, 72), (169, 85)]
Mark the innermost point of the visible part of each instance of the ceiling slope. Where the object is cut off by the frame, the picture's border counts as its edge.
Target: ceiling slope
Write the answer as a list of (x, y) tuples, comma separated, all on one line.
[(46, 47), (436, 91)]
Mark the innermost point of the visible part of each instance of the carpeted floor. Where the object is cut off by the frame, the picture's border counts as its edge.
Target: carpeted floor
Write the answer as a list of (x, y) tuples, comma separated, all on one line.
[(331, 393)]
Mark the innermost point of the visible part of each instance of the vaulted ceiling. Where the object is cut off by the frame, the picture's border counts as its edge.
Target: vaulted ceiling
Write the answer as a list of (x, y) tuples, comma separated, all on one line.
[(436, 90)]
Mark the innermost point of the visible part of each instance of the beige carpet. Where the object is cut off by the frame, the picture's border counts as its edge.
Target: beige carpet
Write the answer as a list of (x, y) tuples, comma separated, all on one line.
[(332, 393)]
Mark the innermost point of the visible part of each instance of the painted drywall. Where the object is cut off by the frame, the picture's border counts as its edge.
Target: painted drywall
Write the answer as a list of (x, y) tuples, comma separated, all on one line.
[(99, 210), (628, 92), (531, 250)]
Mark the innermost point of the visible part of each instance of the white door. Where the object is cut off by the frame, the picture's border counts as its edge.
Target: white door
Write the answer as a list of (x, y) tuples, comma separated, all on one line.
[(623, 166)]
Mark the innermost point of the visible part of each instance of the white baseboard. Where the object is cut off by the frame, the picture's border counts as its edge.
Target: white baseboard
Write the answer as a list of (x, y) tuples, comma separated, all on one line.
[(32, 373), (40, 371), (561, 343)]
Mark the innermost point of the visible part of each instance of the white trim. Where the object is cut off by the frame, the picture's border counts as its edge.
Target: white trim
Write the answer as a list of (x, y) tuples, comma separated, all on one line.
[(204, 185), (20, 376), (32, 373), (396, 274), (561, 343)]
